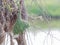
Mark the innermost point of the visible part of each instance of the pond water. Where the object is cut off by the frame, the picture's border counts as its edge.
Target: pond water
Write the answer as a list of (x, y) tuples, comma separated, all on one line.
[(41, 37)]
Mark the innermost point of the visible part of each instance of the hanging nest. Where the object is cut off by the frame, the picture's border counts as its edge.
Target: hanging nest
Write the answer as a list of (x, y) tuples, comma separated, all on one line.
[(9, 11)]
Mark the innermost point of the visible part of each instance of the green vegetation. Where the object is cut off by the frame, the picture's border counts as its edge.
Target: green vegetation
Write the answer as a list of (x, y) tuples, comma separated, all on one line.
[(34, 7), (44, 24), (19, 26)]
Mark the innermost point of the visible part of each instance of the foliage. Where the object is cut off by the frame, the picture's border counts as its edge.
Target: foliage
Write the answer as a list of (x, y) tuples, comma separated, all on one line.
[(34, 6), (20, 26)]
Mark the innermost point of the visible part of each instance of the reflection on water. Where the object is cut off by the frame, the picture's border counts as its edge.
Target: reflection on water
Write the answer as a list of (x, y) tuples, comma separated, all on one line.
[(51, 37)]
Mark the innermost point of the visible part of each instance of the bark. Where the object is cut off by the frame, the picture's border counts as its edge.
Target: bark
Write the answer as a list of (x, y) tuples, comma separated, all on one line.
[(8, 16), (21, 39), (2, 33), (9, 11), (23, 10)]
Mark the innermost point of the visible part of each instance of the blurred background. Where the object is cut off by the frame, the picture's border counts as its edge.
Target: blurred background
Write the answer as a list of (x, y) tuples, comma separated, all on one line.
[(38, 15), (43, 12)]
